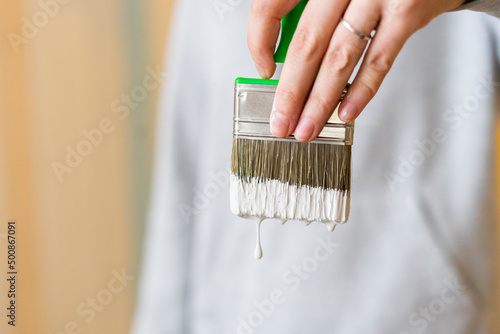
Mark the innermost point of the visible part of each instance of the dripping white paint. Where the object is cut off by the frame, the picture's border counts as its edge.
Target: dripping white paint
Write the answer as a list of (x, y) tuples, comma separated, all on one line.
[(258, 221), (258, 246)]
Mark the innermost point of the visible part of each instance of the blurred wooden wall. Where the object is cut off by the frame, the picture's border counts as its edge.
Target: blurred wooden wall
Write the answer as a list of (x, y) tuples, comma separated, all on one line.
[(497, 310), (77, 242)]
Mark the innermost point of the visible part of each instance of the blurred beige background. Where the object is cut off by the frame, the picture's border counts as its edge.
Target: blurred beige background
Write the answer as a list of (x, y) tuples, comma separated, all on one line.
[(62, 66), (79, 222)]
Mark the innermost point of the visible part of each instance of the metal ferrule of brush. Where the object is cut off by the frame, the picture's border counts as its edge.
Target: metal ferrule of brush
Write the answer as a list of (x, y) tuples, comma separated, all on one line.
[(253, 105)]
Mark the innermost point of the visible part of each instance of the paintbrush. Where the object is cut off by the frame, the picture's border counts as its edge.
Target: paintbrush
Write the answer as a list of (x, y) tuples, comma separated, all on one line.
[(283, 178)]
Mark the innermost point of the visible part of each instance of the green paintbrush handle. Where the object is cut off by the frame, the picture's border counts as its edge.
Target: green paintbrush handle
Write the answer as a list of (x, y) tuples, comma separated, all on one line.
[(288, 26)]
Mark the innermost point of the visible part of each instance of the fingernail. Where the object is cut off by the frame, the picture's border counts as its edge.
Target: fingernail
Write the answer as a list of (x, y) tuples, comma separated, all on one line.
[(348, 112), (279, 125), (304, 130), (262, 73)]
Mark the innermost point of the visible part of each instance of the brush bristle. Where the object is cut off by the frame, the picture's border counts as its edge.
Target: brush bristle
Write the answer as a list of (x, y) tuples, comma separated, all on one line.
[(290, 180)]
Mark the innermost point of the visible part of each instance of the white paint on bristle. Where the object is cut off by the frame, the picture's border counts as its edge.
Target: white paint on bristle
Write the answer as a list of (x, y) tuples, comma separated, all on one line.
[(275, 199)]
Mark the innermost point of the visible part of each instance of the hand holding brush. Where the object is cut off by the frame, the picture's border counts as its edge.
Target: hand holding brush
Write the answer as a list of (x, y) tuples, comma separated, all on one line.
[(330, 39)]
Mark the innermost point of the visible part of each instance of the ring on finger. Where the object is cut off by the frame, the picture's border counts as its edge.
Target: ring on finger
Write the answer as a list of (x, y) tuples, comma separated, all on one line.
[(349, 27)]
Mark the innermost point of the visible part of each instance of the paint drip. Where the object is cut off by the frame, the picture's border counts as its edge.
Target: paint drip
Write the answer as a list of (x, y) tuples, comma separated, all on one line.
[(258, 221), (258, 247)]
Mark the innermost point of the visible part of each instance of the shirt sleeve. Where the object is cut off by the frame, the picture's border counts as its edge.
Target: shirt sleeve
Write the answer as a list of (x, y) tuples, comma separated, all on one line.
[(491, 7)]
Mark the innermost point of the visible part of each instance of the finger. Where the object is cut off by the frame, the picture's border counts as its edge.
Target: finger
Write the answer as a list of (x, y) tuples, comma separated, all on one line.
[(263, 31), (345, 50), (306, 50), (390, 37)]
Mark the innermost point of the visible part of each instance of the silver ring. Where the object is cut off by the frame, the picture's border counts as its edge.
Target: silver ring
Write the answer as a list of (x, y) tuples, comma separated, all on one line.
[(351, 29)]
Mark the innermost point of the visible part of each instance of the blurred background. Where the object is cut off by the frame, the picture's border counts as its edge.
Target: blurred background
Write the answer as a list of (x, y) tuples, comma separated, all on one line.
[(78, 97), (78, 94)]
